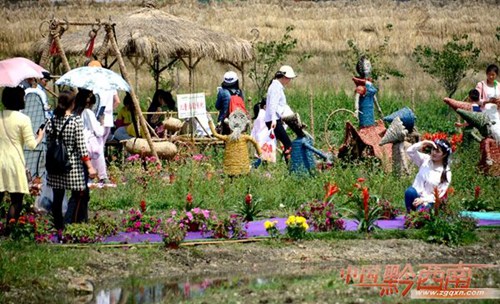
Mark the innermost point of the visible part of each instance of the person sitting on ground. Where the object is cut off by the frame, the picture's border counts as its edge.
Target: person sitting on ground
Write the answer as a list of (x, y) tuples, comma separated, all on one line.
[(127, 130), (15, 133), (434, 172), (229, 86)]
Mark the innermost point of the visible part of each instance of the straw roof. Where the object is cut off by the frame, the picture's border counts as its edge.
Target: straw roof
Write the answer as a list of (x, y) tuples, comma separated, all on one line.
[(149, 30)]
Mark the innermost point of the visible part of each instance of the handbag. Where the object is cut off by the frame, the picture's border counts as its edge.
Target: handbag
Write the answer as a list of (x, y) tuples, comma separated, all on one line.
[(269, 148), (29, 177)]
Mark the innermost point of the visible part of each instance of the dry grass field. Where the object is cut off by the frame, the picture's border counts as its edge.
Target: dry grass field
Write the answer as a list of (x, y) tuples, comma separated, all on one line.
[(321, 27)]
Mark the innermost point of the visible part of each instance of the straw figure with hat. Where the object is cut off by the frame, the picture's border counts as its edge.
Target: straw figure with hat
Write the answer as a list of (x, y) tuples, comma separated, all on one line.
[(276, 106), (302, 160), (229, 87), (236, 158)]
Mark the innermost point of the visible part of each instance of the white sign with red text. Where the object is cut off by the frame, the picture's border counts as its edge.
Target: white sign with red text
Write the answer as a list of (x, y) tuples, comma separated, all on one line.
[(191, 105)]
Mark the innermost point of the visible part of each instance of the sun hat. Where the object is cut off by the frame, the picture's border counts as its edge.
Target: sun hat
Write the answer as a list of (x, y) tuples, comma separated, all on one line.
[(230, 77), (287, 71), (95, 63)]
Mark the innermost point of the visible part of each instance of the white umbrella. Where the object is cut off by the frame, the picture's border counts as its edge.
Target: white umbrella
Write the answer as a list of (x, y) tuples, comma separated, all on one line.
[(94, 79)]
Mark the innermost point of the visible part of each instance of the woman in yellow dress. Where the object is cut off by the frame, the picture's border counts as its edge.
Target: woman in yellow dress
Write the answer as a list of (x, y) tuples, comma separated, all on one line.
[(15, 134)]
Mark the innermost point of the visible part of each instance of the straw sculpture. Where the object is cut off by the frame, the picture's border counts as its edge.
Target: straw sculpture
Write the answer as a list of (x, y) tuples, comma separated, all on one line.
[(455, 104), (478, 120), (396, 134), (487, 123), (365, 143), (302, 160), (236, 158), (406, 116), (150, 32), (164, 149)]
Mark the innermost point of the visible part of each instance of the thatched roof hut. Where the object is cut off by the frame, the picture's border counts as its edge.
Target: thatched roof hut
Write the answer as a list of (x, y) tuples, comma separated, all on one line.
[(157, 36)]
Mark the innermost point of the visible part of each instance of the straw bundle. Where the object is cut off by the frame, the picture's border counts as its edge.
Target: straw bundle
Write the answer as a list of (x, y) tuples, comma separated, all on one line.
[(164, 149), (173, 124)]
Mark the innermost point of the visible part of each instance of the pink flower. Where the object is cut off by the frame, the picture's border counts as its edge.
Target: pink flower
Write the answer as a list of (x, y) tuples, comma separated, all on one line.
[(196, 210), (189, 215), (198, 157), (206, 213), (173, 213), (137, 225)]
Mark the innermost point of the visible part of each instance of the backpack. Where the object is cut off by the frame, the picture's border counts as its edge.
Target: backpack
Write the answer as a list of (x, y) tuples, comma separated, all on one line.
[(236, 102), (57, 157)]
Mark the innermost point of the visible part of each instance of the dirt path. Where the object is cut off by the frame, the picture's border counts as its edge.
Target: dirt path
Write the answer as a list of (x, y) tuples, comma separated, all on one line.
[(108, 267)]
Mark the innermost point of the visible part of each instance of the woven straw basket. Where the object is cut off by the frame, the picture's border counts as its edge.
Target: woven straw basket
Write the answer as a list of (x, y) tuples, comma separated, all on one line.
[(164, 149)]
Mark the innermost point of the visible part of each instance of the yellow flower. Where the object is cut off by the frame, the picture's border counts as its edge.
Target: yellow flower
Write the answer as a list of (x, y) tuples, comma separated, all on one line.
[(269, 224), (291, 220), (305, 226), (300, 220)]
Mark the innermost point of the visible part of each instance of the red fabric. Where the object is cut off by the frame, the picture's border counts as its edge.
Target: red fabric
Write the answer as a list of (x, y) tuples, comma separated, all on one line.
[(53, 48), (85, 158), (90, 47)]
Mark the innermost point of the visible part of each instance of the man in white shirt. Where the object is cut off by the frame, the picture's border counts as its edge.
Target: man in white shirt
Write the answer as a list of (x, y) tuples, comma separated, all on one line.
[(276, 106)]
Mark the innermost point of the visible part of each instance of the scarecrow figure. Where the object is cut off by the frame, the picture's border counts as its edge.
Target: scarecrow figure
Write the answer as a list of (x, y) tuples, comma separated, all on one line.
[(236, 157), (488, 124), (363, 142), (302, 156), (365, 98), (396, 135)]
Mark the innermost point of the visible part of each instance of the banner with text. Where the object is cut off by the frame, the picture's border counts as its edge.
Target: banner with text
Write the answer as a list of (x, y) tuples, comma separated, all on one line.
[(191, 105)]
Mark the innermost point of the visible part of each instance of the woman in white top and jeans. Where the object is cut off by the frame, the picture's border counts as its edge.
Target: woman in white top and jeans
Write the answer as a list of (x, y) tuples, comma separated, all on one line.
[(276, 105), (434, 172)]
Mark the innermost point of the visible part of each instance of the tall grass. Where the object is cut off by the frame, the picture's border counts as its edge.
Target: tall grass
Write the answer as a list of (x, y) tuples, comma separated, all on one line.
[(322, 29)]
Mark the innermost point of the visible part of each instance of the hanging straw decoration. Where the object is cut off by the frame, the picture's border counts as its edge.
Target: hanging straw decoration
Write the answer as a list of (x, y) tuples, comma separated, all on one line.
[(164, 149)]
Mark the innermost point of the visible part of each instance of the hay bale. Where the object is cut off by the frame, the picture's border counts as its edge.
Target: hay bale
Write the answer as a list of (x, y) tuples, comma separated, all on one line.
[(164, 149), (173, 124)]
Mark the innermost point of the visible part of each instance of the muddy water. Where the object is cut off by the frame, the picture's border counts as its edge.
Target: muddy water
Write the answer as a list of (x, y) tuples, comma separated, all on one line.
[(315, 285)]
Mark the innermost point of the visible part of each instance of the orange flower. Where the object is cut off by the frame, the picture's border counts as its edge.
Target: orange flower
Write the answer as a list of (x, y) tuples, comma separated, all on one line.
[(189, 198), (330, 190), (357, 186), (143, 206), (366, 198), (450, 191), (477, 191), (361, 180), (248, 199), (12, 221)]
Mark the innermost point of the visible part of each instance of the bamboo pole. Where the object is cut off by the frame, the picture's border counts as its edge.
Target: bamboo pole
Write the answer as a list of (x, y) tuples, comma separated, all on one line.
[(135, 100), (311, 109)]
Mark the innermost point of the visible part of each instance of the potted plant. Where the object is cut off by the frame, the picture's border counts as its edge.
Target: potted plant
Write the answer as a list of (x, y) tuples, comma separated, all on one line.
[(173, 233)]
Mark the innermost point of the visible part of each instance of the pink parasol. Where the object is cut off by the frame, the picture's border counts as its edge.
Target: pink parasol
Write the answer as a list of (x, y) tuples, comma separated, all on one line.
[(15, 70)]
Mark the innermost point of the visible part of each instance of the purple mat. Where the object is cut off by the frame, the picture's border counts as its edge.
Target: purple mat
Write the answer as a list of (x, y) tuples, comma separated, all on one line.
[(256, 229)]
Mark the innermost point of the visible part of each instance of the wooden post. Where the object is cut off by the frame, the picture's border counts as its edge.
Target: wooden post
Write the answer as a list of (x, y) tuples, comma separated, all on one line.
[(123, 69), (311, 110)]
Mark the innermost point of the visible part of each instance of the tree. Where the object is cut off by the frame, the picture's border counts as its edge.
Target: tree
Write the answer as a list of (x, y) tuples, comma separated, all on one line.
[(380, 69), (449, 65), (268, 54)]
